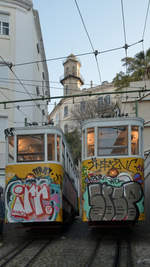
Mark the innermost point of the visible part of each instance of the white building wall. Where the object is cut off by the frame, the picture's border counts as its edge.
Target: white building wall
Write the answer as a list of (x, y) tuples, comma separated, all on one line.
[(20, 46), (3, 126)]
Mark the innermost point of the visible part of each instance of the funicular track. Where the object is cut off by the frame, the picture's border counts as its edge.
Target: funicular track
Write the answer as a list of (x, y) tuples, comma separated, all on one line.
[(25, 254), (112, 253), (75, 246)]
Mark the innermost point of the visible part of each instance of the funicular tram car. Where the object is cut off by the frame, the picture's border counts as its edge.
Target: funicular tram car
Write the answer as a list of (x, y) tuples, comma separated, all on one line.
[(112, 171), (41, 179)]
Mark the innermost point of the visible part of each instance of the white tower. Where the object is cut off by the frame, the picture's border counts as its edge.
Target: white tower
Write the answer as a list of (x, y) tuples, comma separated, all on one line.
[(72, 79)]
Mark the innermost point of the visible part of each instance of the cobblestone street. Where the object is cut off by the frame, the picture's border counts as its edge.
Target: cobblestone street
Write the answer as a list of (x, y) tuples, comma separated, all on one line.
[(78, 245)]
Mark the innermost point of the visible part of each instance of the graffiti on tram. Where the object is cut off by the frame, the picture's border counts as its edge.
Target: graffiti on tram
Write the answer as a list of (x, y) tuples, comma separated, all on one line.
[(113, 189), (33, 194)]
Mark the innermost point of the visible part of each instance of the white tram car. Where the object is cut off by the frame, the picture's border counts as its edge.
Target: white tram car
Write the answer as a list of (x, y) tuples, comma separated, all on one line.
[(112, 170), (41, 180)]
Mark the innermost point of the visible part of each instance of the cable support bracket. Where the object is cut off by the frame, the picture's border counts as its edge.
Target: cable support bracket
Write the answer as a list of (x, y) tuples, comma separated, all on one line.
[(96, 53)]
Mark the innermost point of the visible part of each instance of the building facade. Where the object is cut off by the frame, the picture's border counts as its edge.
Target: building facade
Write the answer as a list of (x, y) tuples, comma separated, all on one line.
[(70, 111), (137, 104), (23, 71)]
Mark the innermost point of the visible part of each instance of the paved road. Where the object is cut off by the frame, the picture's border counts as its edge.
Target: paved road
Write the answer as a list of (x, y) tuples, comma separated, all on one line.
[(79, 246)]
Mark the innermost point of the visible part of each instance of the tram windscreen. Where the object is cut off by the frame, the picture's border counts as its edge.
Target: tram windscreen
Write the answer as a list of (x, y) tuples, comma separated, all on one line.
[(113, 141), (135, 140), (30, 147)]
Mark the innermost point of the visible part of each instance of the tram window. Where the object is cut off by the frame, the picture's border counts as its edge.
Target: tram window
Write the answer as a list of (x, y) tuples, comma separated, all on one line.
[(10, 148), (83, 134), (90, 142), (113, 141), (63, 153), (58, 148), (51, 146), (134, 140), (30, 147)]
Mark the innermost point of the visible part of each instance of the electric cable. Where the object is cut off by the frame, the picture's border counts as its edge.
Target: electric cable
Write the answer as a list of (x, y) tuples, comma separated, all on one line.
[(10, 68), (147, 12), (76, 55), (18, 107)]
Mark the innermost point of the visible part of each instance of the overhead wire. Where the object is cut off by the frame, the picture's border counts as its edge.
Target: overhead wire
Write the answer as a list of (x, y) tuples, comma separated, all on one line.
[(125, 40), (77, 55), (15, 107), (145, 23), (95, 52), (143, 34), (10, 68)]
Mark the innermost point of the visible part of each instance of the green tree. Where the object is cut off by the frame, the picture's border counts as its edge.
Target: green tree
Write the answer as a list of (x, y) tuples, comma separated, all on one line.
[(121, 80), (138, 68), (74, 141)]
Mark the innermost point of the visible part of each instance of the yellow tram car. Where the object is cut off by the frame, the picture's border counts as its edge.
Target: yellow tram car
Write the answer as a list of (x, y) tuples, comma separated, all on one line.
[(41, 179), (112, 170)]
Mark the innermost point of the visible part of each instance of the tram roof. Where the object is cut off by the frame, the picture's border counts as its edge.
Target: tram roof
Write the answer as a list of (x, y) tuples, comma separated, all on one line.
[(113, 121), (34, 129)]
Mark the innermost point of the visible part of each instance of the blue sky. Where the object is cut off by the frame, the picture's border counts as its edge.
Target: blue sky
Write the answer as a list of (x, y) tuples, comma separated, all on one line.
[(63, 33)]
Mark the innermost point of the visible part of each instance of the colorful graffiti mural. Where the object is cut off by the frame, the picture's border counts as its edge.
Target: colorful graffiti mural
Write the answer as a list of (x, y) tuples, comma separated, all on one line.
[(33, 193), (112, 189)]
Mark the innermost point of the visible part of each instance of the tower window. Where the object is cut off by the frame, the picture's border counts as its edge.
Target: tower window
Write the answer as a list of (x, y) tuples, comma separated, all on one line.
[(66, 89), (67, 71), (73, 70)]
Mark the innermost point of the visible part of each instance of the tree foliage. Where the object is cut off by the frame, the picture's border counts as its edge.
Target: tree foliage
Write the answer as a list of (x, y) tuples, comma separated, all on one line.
[(74, 141), (92, 109), (138, 68)]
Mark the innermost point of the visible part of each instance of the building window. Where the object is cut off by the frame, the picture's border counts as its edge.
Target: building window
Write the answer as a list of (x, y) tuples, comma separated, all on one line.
[(66, 89), (43, 75), (107, 99), (37, 90), (4, 24), (65, 111), (43, 112), (38, 48), (82, 106), (66, 128), (100, 101)]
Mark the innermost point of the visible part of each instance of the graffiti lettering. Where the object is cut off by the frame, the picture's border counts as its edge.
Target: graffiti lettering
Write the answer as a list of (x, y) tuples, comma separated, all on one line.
[(114, 203), (39, 171), (28, 200), (129, 165), (97, 202)]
